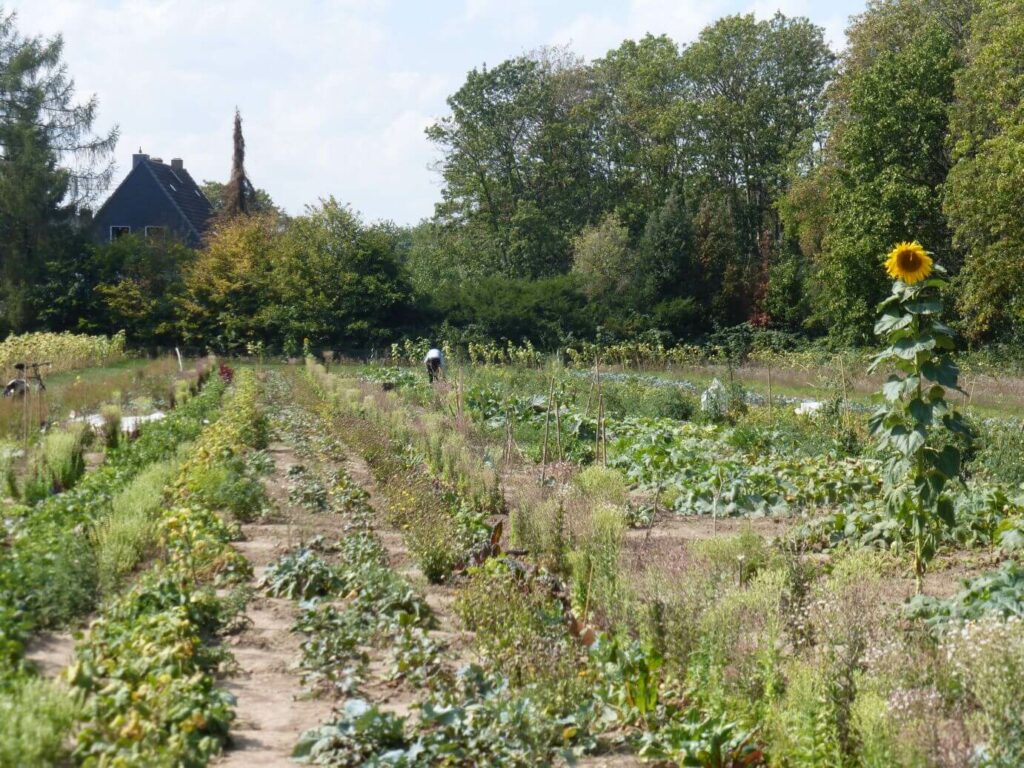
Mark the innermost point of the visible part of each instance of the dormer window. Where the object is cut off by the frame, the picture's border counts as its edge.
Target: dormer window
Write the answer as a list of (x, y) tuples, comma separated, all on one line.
[(116, 232)]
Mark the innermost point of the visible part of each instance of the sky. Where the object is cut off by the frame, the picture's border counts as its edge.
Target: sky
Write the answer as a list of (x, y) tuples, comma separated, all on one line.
[(334, 94)]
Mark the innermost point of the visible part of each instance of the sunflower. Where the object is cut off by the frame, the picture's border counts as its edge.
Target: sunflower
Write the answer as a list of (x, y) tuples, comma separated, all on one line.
[(909, 262)]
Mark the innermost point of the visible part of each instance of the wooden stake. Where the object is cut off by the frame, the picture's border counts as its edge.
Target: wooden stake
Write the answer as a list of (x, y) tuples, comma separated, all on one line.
[(846, 400), (771, 423), (547, 423), (558, 428)]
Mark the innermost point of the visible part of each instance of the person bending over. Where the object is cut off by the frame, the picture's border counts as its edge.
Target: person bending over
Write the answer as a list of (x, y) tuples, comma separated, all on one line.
[(434, 362)]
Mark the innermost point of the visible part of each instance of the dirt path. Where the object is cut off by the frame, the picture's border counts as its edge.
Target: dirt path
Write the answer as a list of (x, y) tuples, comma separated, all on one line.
[(399, 697), (51, 652), (271, 709)]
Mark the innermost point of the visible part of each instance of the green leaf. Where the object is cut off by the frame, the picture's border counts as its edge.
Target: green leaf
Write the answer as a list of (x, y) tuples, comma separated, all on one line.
[(892, 321), (942, 371), (954, 423), (947, 461), (909, 348), (894, 388), (907, 441), (930, 305), (920, 411), (944, 509)]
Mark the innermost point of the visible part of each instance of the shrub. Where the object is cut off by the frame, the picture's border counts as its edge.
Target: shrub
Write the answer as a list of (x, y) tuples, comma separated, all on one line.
[(519, 625), (229, 485), (432, 537), (58, 464), (602, 485), (987, 657)]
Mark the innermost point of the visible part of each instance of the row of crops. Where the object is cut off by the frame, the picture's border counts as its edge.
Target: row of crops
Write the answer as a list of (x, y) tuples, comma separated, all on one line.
[(62, 351), (548, 609), (137, 545)]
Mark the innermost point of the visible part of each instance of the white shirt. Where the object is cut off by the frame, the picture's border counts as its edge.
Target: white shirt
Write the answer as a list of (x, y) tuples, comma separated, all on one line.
[(434, 354)]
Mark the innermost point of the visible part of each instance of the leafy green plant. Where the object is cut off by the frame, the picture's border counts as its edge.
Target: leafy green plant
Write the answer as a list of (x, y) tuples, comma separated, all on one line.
[(520, 627), (361, 733), (999, 593), (306, 490), (300, 575), (916, 428), (124, 536)]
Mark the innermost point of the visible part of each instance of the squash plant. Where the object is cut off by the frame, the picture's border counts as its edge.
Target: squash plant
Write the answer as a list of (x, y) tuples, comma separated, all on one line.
[(916, 428)]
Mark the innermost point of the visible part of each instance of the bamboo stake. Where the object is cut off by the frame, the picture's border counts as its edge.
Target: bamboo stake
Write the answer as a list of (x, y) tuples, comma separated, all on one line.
[(714, 510)]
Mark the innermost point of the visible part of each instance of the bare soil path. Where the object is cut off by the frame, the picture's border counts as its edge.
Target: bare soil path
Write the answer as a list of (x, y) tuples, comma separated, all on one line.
[(399, 697), (272, 708)]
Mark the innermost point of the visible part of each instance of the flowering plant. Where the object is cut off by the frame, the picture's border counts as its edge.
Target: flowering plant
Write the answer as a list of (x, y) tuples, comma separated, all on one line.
[(918, 430)]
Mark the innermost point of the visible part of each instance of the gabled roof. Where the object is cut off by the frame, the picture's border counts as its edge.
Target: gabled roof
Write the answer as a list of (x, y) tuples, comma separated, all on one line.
[(186, 195), (180, 189)]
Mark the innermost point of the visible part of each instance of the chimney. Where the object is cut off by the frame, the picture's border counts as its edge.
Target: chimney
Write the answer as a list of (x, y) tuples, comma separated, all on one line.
[(177, 165), (138, 157)]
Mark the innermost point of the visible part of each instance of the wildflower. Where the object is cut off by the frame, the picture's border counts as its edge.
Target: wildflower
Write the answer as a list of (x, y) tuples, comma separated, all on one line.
[(909, 262)]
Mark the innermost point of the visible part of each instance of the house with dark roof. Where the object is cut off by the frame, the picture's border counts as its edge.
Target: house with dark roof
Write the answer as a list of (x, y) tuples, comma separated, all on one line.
[(155, 199)]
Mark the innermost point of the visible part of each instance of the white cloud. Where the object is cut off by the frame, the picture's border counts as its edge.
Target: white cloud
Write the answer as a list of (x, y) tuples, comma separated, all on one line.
[(593, 35)]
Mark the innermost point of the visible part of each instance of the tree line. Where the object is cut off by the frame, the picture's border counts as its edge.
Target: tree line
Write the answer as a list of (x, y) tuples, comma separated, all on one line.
[(752, 177)]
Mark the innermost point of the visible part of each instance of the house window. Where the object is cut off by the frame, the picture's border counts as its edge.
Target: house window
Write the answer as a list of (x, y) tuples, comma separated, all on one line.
[(156, 233), (116, 232)]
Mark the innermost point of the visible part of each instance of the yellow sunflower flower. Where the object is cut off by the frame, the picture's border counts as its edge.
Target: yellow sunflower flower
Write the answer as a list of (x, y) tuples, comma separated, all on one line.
[(909, 262)]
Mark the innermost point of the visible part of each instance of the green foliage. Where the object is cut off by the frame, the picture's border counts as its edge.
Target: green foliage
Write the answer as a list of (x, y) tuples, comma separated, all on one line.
[(251, 282), (909, 427), (886, 157), (988, 662), (111, 425), (50, 575), (597, 586), (999, 593), (128, 532), (44, 134), (230, 486), (603, 260), (300, 575), (147, 707), (58, 464), (37, 715), (983, 189), (519, 628), (139, 283), (360, 734)]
